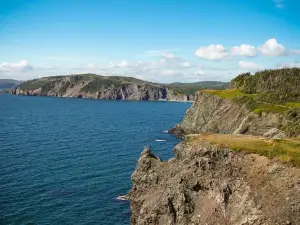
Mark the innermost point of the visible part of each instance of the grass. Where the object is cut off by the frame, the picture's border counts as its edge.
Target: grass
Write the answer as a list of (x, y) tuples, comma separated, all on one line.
[(229, 93), (191, 88), (263, 107), (293, 104), (256, 106), (286, 150), (33, 84)]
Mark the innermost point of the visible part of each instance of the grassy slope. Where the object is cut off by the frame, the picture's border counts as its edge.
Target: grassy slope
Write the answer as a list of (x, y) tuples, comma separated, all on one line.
[(286, 150), (191, 88), (254, 102)]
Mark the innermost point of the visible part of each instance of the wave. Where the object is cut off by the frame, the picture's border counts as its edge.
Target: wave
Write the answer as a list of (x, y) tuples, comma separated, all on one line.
[(122, 198)]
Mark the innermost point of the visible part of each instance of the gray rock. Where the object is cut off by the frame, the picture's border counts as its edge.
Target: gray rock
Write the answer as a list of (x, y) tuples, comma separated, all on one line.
[(210, 113), (274, 133), (207, 185)]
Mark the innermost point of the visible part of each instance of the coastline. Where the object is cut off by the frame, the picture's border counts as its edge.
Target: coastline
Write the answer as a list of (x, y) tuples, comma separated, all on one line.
[(156, 100)]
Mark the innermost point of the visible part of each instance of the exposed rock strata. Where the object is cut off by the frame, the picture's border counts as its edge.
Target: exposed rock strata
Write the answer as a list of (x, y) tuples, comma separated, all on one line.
[(210, 113), (209, 185), (99, 87)]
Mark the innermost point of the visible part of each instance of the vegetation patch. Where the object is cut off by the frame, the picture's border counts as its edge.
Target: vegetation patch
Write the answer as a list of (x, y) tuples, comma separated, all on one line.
[(293, 104), (286, 150), (273, 86), (47, 87), (253, 101), (265, 107), (98, 83), (33, 84), (191, 88), (229, 93)]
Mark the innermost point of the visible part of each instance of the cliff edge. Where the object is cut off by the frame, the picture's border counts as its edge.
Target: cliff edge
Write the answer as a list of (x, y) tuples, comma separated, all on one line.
[(213, 185)]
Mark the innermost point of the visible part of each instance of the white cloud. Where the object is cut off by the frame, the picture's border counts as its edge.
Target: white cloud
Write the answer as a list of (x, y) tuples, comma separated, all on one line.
[(200, 72), (272, 48), (91, 66), (186, 64), (168, 72), (159, 52), (249, 65), (168, 55), (244, 50), (279, 3), (212, 52), (123, 64), (57, 58), (22, 66)]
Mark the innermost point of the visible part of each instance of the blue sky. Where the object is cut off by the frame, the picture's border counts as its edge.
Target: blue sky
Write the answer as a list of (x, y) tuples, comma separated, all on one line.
[(155, 40)]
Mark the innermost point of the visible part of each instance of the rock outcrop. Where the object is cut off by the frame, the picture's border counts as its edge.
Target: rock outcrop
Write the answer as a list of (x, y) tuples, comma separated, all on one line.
[(210, 185), (210, 113)]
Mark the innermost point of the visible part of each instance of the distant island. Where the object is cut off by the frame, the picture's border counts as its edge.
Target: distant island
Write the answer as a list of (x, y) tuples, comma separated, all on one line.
[(112, 87), (9, 83)]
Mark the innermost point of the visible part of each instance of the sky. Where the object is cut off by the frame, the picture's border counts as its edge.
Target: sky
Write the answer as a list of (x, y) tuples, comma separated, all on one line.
[(154, 40)]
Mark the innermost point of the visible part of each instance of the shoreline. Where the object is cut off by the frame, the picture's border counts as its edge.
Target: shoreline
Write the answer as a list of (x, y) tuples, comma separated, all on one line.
[(154, 100)]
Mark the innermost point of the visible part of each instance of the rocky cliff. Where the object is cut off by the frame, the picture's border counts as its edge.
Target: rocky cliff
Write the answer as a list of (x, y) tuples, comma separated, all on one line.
[(211, 185), (211, 113), (99, 87)]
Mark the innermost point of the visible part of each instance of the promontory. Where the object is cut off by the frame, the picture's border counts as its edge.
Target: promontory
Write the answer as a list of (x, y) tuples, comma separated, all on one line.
[(239, 162)]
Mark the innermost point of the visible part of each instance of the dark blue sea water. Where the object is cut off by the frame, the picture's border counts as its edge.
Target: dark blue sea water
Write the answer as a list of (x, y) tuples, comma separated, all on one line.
[(64, 161)]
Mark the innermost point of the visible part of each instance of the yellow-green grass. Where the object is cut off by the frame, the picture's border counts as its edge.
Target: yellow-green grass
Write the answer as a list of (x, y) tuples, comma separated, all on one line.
[(228, 93), (265, 107), (260, 106), (286, 150), (276, 108), (293, 104)]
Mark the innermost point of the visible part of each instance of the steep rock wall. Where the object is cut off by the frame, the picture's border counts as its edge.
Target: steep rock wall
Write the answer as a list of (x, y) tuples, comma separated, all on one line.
[(210, 113), (208, 185)]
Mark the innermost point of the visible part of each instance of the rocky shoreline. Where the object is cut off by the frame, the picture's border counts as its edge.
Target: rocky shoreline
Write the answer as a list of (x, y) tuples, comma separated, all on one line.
[(22, 93)]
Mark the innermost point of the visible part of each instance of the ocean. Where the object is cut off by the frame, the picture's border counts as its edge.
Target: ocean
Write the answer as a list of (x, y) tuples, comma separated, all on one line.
[(66, 160)]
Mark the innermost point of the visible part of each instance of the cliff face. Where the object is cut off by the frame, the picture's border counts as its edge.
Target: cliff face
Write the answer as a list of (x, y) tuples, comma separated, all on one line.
[(206, 184), (211, 113), (99, 87)]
